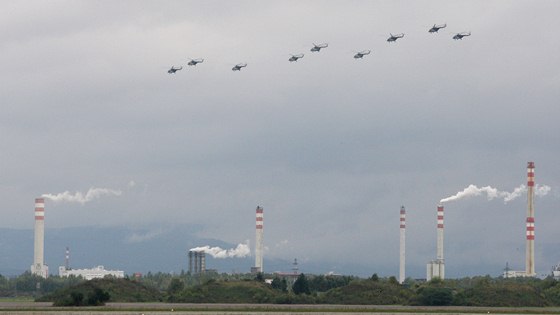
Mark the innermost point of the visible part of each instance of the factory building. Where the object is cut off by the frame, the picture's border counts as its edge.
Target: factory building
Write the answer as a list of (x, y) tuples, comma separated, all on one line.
[(88, 274), (436, 268), (39, 268), (197, 262), (556, 272)]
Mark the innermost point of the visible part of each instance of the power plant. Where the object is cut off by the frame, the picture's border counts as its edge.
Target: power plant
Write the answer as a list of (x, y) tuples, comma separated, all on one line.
[(402, 275), (197, 262), (436, 268), (39, 268), (259, 242)]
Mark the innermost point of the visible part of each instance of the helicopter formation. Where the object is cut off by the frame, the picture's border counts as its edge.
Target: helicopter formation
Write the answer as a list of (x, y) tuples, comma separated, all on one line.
[(317, 48)]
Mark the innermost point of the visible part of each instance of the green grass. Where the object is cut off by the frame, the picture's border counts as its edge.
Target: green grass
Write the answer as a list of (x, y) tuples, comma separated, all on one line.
[(17, 299)]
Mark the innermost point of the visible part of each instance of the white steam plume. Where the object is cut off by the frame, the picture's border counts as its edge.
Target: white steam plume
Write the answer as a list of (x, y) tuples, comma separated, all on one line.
[(492, 193), (92, 193), (242, 250), (542, 190)]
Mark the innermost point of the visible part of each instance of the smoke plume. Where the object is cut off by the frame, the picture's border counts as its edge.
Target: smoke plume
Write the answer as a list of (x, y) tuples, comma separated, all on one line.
[(493, 193), (242, 250), (92, 193)]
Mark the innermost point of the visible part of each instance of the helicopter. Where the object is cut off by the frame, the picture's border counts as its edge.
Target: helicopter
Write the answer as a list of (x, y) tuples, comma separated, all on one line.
[(361, 54), (318, 47), (393, 38), (461, 35), (173, 69), (194, 62), (295, 57), (436, 28), (238, 66)]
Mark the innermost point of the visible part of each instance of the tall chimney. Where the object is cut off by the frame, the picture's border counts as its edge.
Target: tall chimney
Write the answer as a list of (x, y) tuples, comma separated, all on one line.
[(196, 259), (440, 234), (259, 240), (39, 268), (402, 245), (67, 259), (436, 268), (202, 263), (530, 247)]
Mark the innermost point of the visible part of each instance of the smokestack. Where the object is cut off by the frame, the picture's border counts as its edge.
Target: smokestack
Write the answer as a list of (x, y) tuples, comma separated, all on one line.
[(440, 233), (402, 245), (39, 268), (530, 247), (436, 268), (197, 262), (190, 262), (67, 259), (202, 263), (259, 241)]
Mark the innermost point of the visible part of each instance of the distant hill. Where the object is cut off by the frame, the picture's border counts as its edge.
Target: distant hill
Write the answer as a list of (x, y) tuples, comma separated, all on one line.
[(131, 250), (138, 250)]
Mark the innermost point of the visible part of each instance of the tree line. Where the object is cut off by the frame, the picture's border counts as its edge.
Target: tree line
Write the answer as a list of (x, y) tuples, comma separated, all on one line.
[(214, 287)]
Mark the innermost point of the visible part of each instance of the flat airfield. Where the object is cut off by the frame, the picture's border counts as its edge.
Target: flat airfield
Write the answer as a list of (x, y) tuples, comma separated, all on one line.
[(21, 308)]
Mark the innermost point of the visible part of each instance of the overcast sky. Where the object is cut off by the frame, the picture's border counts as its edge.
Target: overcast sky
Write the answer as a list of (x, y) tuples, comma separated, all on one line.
[(329, 146)]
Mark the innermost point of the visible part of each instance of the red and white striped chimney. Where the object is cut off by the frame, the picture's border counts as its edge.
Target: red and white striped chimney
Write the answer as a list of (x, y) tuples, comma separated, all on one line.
[(259, 240), (39, 268), (402, 245), (530, 247), (440, 233)]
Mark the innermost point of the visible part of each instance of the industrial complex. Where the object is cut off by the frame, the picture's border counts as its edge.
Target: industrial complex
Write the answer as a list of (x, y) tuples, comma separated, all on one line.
[(197, 258), (40, 269)]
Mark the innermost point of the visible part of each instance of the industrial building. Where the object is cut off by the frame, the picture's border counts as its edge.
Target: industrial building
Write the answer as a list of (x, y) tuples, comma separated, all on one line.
[(197, 262), (258, 242), (436, 268), (88, 274), (556, 272), (39, 268)]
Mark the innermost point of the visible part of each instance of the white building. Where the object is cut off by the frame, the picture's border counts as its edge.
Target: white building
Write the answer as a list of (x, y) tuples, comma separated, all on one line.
[(88, 274), (514, 274), (556, 272), (435, 269)]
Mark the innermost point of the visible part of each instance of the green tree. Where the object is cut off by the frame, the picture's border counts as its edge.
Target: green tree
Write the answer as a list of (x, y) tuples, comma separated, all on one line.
[(301, 285), (279, 284), (436, 296), (98, 297), (176, 286)]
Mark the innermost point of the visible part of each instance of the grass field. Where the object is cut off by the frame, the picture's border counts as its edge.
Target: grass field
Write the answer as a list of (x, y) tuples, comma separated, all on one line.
[(26, 307)]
